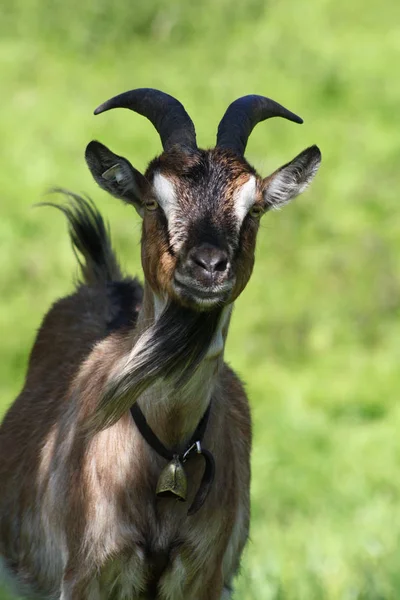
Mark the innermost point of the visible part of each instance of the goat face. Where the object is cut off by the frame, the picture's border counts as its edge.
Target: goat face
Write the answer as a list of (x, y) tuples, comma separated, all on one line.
[(201, 212), (195, 243)]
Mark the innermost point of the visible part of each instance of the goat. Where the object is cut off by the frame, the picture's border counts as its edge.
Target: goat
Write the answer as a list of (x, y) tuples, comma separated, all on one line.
[(127, 400)]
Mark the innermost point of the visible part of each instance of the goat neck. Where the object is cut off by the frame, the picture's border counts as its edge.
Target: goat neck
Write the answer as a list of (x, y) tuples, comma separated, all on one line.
[(174, 411)]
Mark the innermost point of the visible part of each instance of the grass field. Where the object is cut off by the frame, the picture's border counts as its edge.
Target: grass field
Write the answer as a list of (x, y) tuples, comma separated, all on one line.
[(316, 335)]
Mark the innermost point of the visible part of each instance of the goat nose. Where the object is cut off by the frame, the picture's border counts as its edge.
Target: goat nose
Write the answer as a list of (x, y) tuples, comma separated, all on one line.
[(209, 258)]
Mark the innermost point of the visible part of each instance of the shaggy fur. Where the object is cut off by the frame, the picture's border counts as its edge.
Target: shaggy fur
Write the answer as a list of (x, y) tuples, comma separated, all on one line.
[(78, 513), (79, 516)]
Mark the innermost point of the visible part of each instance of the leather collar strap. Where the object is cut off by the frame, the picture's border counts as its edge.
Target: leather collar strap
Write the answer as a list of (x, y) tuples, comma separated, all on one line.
[(193, 448)]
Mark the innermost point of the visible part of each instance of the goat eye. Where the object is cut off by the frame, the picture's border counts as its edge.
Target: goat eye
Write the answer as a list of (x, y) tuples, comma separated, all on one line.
[(256, 211), (151, 204)]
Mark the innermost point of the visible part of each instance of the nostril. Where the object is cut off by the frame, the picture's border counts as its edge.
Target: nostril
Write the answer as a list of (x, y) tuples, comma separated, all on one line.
[(220, 264), (209, 258), (200, 261)]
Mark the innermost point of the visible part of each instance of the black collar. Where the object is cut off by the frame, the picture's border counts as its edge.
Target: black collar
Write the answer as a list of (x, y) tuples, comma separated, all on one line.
[(192, 448)]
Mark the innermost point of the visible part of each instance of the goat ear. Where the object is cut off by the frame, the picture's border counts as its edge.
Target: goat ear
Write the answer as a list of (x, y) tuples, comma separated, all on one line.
[(116, 175), (292, 179)]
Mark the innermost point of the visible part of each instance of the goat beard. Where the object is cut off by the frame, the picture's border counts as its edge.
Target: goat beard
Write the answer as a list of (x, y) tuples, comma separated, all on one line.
[(171, 349)]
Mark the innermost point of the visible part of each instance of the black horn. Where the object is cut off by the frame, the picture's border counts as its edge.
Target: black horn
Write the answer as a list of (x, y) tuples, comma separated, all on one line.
[(168, 116), (243, 115)]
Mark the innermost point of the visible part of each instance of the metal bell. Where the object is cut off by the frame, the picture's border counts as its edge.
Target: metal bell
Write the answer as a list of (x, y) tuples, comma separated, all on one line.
[(172, 482)]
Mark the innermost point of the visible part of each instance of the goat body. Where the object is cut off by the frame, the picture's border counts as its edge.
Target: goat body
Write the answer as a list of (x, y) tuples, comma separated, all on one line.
[(79, 516), (82, 514)]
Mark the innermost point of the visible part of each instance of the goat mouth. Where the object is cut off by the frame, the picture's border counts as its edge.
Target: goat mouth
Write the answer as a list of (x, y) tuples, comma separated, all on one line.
[(204, 297)]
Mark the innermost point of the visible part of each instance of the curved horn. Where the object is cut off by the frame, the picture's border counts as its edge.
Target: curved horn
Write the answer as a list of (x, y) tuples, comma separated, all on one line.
[(243, 115), (168, 116)]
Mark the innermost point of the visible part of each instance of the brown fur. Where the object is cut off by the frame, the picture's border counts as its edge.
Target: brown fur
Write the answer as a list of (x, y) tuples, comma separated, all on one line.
[(79, 518), (189, 173), (55, 480)]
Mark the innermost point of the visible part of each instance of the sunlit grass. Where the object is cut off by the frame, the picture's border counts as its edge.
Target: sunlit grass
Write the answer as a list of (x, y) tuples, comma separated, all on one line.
[(316, 335)]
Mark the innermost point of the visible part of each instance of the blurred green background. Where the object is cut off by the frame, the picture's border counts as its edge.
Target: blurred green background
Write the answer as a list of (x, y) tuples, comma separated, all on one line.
[(316, 335)]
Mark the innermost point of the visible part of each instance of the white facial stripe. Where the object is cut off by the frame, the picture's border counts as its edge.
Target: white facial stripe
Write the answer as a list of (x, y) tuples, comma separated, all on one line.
[(166, 196), (165, 193), (244, 198)]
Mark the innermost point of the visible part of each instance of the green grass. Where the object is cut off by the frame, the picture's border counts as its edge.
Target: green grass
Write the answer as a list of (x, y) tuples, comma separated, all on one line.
[(317, 333)]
